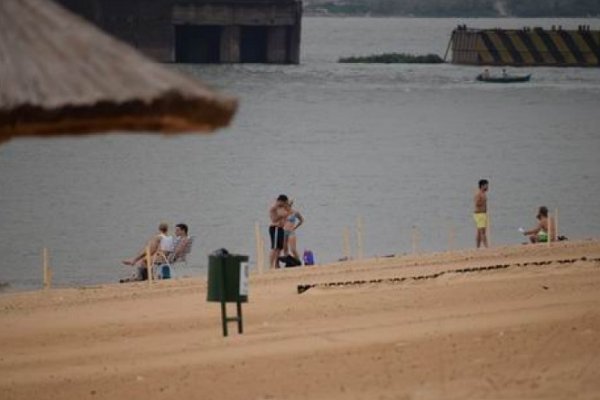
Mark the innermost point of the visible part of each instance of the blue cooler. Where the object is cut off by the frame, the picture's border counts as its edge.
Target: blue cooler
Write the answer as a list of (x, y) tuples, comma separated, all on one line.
[(165, 272)]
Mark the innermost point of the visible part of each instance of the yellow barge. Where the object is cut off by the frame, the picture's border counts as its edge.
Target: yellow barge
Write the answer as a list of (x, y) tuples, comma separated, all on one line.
[(526, 47)]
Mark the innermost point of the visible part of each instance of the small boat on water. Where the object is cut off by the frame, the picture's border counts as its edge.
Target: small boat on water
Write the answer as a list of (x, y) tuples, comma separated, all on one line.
[(504, 79)]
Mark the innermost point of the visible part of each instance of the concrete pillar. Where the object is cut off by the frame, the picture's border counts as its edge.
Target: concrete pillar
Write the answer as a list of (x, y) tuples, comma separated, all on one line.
[(277, 45), (294, 33), (230, 44)]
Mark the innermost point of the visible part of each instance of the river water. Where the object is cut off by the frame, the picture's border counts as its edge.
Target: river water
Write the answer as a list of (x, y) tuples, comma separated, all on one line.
[(397, 145)]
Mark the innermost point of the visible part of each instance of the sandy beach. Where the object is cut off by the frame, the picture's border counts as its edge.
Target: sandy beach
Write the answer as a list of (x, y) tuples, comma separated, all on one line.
[(518, 322)]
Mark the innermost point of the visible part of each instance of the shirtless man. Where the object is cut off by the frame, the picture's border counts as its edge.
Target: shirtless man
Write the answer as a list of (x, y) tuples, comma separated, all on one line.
[(277, 215), (480, 214), (539, 234)]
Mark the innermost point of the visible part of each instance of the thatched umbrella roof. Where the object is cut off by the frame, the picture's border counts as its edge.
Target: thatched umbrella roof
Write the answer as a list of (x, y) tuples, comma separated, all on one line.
[(61, 75)]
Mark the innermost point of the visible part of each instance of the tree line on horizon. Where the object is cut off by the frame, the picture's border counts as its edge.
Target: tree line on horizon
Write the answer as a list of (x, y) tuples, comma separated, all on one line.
[(457, 8)]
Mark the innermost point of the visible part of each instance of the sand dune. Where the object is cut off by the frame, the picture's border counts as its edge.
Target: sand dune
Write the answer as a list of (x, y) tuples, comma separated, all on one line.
[(528, 327)]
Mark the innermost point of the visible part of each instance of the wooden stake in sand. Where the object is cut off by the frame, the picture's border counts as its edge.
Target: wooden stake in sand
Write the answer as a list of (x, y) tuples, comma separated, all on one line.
[(259, 248), (415, 239), (262, 251), (556, 223), (149, 265), (451, 237), (550, 228), (346, 240), (46, 269), (359, 238)]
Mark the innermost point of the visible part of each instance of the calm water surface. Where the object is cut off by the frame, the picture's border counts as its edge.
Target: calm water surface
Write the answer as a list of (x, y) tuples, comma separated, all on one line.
[(398, 145)]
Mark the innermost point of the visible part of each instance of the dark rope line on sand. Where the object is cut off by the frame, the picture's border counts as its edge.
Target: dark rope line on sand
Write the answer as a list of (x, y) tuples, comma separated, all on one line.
[(303, 288)]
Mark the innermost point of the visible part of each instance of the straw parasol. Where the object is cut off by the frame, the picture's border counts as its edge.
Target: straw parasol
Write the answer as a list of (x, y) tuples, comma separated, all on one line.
[(61, 75)]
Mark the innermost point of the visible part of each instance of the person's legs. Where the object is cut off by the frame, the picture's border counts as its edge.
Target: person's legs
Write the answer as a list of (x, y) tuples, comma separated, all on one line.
[(279, 243), (286, 243), (276, 235), (483, 235), (481, 224), (140, 274), (533, 238), (139, 257), (292, 246), (273, 254), (153, 245)]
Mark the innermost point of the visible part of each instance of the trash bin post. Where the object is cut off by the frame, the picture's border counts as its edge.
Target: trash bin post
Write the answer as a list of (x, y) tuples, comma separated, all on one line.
[(239, 317), (223, 304)]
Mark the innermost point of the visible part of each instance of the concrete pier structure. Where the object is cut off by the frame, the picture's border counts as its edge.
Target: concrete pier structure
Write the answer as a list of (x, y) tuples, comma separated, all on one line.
[(201, 31), (526, 47)]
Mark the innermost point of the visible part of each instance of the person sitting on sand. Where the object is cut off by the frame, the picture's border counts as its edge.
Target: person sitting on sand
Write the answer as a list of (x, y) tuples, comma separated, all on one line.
[(544, 230), (161, 241)]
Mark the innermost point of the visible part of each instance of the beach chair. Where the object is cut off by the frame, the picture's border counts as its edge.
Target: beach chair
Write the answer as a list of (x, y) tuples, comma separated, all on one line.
[(161, 267), (181, 263)]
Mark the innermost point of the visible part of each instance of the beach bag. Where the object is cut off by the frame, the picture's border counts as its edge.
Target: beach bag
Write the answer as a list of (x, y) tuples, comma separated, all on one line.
[(308, 257), (290, 261)]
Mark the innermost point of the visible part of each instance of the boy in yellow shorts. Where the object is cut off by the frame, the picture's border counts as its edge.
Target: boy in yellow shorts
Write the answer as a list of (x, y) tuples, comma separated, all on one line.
[(480, 215)]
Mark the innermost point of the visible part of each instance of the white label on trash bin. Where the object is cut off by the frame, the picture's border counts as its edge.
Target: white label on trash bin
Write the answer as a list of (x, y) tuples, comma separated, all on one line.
[(244, 274)]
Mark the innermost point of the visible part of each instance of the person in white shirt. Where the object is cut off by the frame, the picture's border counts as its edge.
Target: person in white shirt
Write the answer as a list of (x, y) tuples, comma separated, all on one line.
[(161, 241)]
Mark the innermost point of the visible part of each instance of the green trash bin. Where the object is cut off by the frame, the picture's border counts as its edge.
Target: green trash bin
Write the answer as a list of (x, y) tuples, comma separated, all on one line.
[(227, 278), (228, 283)]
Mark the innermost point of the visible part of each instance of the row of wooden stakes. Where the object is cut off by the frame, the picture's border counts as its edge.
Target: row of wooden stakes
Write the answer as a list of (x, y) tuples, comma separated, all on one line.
[(347, 248)]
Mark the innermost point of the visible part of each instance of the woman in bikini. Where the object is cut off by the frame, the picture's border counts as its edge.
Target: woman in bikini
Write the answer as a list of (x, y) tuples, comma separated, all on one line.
[(292, 221)]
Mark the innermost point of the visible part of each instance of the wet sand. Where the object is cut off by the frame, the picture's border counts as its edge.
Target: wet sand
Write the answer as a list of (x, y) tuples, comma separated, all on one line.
[(528, 326)]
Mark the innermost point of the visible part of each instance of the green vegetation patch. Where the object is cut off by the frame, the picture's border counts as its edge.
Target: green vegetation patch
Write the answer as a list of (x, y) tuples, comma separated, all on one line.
[(394, 58)]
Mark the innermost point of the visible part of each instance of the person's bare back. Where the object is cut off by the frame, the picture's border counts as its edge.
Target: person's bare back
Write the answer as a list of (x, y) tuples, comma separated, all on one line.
[(480, 202)]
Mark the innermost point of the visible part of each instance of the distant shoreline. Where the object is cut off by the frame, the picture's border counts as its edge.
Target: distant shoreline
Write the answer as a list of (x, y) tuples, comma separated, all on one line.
[(408, 16)]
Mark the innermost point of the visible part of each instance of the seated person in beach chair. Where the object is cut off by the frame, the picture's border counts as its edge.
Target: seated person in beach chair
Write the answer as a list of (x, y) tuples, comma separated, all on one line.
[(160, 245), (544, 231), (182, 247), (182, 244)]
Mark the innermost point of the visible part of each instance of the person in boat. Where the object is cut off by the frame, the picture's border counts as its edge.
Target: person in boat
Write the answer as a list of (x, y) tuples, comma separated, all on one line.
[(504, 74), (486, 74), (545, 229)]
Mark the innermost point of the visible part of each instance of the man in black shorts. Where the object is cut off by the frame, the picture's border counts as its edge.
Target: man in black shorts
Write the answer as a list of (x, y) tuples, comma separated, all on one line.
[(277, 214)]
